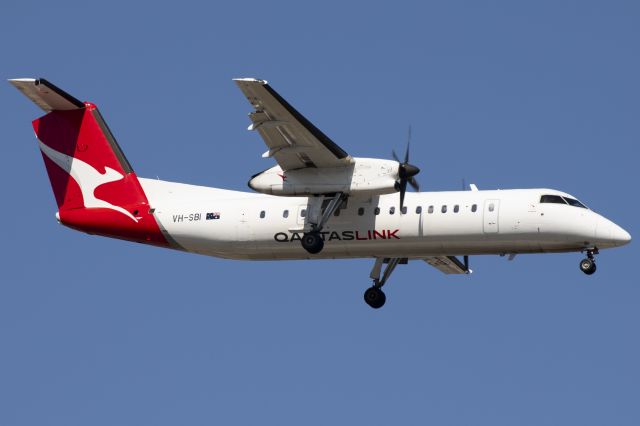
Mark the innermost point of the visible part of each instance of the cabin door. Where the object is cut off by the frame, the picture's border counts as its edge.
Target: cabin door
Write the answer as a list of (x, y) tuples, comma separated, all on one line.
[(490, 224)]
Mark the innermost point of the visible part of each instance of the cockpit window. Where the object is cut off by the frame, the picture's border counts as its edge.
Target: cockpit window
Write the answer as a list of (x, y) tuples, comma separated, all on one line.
[(574, 203), (555, 199)]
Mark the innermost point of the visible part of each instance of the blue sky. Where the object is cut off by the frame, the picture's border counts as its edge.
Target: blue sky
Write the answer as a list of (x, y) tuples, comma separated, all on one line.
[(503, 94)]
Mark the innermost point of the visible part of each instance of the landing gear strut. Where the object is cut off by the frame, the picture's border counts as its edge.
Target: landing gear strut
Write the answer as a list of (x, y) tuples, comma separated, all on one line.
[(312, 241), (374, 296), (588, 264)]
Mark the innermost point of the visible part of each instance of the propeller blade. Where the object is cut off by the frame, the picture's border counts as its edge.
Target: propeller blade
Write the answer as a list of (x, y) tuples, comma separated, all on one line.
[(406, 153), (403, 189), (414, 183), (406, 172)]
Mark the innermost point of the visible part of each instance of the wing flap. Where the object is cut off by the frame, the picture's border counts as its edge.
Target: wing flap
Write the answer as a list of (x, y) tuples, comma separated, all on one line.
[(448, 264), (46, 95)]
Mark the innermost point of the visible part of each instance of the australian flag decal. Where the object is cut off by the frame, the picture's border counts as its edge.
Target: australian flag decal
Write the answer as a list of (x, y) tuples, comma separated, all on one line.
[(212, 216)]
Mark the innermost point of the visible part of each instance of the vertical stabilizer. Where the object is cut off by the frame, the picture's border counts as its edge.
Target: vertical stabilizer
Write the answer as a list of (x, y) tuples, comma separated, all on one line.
[(94, 185)]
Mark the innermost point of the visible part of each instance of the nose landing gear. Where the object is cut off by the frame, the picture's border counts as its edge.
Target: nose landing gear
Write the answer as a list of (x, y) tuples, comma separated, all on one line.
[(588, 264)]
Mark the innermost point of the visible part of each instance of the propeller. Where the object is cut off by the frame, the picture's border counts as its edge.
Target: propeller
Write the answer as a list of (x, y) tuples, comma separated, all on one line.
[(406, 172)]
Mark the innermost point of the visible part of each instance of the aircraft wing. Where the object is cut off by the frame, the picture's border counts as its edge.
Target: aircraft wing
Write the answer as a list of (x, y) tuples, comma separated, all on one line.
[(447, 264), (293, 141)]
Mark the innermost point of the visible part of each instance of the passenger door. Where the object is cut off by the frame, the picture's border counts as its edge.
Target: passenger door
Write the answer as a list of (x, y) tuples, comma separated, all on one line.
[(245, 238), (301, 215), (490, 223)]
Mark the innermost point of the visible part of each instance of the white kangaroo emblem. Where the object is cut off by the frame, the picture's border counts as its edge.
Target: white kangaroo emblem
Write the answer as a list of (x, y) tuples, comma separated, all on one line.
[(87, 178)]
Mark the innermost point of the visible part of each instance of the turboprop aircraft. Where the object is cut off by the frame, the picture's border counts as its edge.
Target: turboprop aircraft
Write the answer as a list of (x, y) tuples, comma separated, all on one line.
[(318, 202)]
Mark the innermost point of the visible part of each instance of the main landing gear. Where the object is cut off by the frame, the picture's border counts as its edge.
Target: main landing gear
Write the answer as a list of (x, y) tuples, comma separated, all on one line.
[(374, 296), (312, 241), (588, 264)]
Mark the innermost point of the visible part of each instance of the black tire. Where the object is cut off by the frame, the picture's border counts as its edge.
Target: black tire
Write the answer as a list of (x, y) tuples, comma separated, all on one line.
[(375, 297), (312, 242), (588, 266)]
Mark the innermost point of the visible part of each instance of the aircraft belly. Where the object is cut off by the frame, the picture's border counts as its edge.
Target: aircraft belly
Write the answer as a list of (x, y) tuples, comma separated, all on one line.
[(239, 240), (411, 248)]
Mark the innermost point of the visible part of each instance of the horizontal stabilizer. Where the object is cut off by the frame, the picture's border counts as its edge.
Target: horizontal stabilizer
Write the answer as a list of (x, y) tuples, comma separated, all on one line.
[(46, 95)]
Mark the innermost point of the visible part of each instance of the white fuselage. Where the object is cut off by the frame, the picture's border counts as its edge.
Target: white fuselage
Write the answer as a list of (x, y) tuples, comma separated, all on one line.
[(241, 225)]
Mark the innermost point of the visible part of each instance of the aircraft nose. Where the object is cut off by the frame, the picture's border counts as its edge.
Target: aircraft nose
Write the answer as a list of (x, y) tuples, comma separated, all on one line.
[(608, 232), (603, 230), (619, 236)]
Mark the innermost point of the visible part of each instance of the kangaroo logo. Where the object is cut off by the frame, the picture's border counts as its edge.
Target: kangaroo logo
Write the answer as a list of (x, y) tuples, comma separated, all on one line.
[(87, 178)]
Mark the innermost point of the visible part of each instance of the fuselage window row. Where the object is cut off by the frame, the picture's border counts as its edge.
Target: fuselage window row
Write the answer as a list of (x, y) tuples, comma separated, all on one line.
[(392, 210)]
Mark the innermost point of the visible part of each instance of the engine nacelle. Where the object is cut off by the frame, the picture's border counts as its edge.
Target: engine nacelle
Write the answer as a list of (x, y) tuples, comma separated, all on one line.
[(365, 176)]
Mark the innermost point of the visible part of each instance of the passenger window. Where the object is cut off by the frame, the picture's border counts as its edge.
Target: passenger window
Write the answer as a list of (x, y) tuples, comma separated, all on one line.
[(430, 210), (419, 210), (443, 209), (404, 210), (456, 208), (337, 212), (392, 210), (554, 199), (376, 211), (262, 214), (360, 211), (303, 213), (285, 214), (491, 207), (474, 208)]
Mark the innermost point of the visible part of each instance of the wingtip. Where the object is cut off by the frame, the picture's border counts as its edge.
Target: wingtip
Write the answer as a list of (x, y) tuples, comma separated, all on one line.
[(251, 80), (21, 80)]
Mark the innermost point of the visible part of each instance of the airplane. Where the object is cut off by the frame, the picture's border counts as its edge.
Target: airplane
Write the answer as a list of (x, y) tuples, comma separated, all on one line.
[(317, 202)]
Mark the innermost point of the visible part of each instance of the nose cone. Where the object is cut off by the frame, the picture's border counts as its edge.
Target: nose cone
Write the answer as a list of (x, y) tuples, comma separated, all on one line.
[(619, 236), (609, 234)]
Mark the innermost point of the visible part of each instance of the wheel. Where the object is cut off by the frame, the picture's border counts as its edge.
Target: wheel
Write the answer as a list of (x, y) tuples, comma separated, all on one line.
[(588, 266), (375, 297), (312, 242)]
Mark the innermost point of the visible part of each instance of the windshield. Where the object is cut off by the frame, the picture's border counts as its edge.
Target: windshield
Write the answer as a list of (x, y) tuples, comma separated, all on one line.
[(574, 202), (557, 199)]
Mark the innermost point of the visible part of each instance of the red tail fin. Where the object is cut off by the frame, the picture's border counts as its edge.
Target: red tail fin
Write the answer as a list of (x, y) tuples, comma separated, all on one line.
[(93, 183)]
